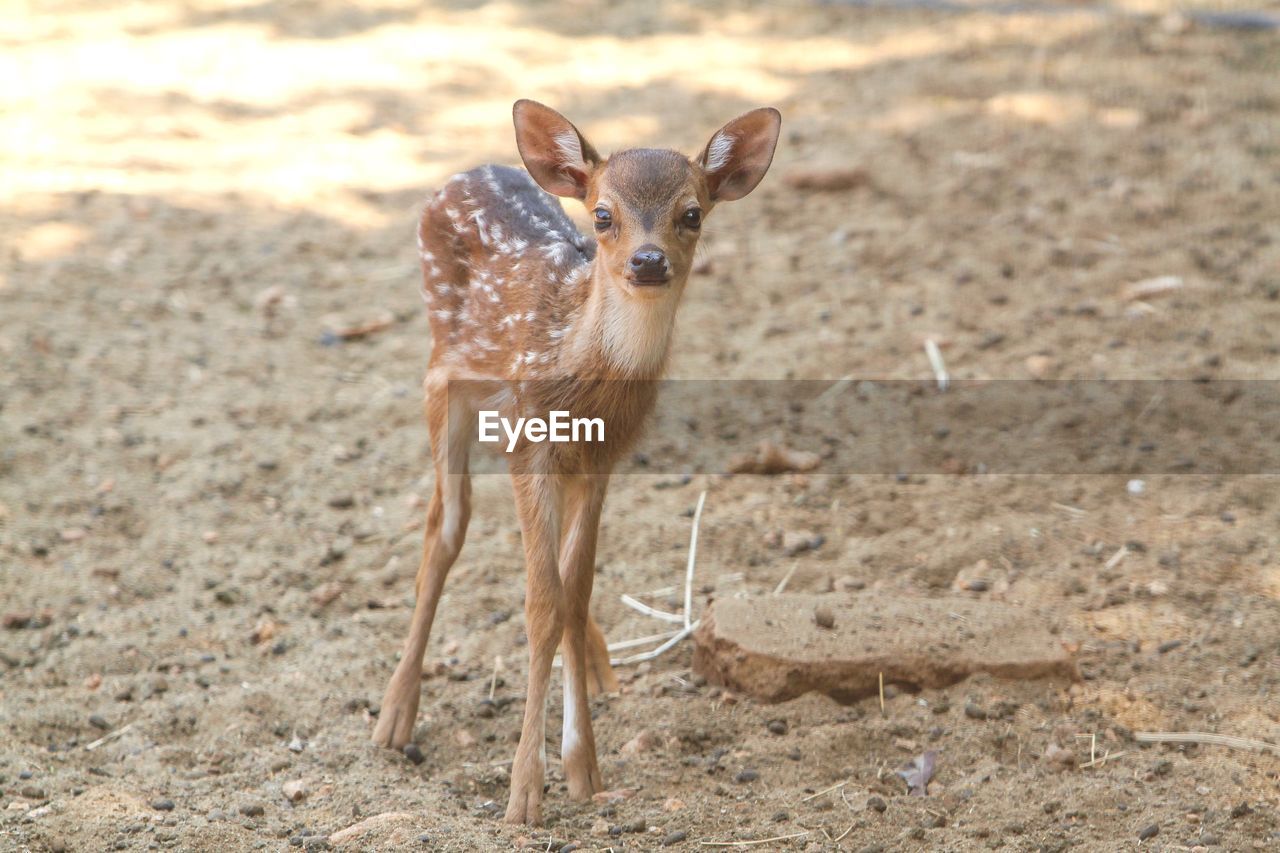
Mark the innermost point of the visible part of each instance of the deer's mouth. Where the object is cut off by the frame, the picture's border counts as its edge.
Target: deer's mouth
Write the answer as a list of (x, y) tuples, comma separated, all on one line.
[(649, 280)]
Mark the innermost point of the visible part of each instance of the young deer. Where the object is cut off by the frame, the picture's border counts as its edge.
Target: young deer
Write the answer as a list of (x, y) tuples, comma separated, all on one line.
[(522, 302)]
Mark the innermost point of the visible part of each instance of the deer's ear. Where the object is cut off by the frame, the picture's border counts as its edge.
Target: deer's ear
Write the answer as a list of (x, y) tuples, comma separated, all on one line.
[(555, 153), (739, 153)]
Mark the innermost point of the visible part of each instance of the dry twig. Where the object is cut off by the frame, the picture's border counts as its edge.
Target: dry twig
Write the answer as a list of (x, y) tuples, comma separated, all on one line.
[(1205, 737), (755, 842)]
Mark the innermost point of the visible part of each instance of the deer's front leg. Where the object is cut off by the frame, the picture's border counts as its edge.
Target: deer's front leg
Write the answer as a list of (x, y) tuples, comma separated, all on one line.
[(583, 501), (538, 501)]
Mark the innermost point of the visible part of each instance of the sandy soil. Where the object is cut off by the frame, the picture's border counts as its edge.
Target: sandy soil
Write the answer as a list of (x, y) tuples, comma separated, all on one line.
[(198, 196)]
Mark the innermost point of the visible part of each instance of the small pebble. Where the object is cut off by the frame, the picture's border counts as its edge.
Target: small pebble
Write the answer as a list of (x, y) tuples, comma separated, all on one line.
[(1149, 832), (778, 727), (252, 809), (31, 792), (99, 722), (674, 837), (877, 804), (974, 712), (823, 617), (342, 501), (162, 805), (745, 776), (413, 753)]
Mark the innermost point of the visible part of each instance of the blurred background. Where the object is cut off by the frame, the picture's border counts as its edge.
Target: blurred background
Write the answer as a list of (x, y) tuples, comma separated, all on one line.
[(212, 460)]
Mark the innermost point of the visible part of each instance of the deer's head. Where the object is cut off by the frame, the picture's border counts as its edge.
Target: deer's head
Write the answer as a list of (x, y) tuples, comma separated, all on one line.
[(647, 205)]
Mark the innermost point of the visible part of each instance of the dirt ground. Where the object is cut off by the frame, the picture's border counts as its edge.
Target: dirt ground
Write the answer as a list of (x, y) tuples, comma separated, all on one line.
[(209, 498)]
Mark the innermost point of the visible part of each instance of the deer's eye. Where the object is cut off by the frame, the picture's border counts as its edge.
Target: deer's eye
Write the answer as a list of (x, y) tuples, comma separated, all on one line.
[(603, 219), (692, 218)]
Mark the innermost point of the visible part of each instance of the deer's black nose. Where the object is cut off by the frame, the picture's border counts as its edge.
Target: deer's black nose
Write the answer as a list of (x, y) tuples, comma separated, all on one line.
[(648, 264)]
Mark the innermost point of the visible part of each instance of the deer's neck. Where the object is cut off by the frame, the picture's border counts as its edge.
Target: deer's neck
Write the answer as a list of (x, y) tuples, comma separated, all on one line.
[(621, 336)]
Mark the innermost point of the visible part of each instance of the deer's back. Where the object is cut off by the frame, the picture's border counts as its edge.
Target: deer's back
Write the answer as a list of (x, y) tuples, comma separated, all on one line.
[(503, 268)]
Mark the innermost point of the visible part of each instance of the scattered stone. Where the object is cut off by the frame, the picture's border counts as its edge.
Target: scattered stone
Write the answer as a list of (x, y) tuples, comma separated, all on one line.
[(464, 738), (1059, 758), (1237, 812), (770, 458), (99, 722), (414, 753), (645, 741), (32, 792), (918, 772), (163, 805), (343, 501), (338, 549), (974, 712), (295, 791), (263, 631), (356, 830), (877, 804), (777, 727), (823, 617), (746, 776), (27, 619), (253, 808), (1149, 832), (671, 804), (324, 595), (754, 645), (297, 744), (674, 837), (798, 541)]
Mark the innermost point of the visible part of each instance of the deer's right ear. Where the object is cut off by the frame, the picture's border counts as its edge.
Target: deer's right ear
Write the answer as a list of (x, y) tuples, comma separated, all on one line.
[(555, 153)]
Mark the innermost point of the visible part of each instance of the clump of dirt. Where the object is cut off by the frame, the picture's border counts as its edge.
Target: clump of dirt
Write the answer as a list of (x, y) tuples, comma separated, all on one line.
[(212, 460)]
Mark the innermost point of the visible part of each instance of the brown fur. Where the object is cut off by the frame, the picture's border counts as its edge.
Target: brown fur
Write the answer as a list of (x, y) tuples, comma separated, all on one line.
[(528, 316)]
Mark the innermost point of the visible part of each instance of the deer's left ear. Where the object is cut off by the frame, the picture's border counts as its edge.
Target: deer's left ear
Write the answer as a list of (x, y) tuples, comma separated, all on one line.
[(739, 153)]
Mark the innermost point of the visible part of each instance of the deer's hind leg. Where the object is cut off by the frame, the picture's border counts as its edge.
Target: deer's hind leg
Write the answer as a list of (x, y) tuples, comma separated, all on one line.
[(446, 527), (600, 675)]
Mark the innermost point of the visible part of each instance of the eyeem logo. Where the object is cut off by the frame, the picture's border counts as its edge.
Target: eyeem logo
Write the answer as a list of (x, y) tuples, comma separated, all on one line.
[(559, 427)]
